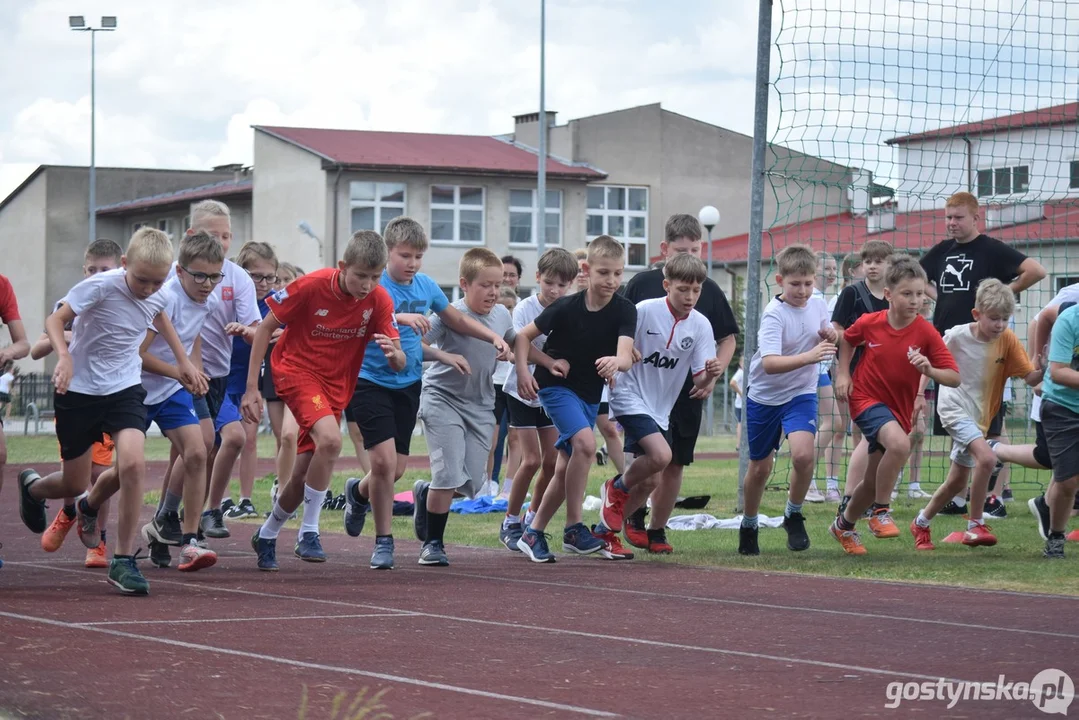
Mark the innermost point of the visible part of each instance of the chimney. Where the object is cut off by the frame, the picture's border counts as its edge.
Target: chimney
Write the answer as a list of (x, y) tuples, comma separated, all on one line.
[(534, 118)]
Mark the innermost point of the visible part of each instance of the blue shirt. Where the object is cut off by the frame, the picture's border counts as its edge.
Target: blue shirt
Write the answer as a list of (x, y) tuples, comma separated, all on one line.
[(1064, 348), (241, 359), (421, 296)]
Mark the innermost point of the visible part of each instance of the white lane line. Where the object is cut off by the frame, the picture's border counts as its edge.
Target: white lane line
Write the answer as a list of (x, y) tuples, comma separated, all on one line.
[(317, 666), (554, 631), (242, 619), (592, 587)]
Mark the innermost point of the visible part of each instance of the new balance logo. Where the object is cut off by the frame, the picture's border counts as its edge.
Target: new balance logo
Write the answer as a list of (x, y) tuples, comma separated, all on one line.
[(322, 313)]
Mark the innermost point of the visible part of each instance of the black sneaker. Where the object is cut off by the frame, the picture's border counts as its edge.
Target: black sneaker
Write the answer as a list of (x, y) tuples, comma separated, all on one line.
[(164, 529), (233, 511), (1006, 495), (226, 506), (795, 525), (1040, 510), (159, 554), (213, 524), (952, 509), (355, 512), (1054, 546), (31, 510), (747, 541), (995, 508), (419, 511), (248, 509)]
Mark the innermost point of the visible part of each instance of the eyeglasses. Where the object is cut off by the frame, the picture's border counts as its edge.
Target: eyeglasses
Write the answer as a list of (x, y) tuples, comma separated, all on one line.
[(262, 278), (203, 278)]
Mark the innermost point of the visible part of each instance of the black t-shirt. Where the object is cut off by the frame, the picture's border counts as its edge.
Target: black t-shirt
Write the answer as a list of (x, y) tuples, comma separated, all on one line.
[(712, 304), (580, 336), (957, 268), (851, 305)]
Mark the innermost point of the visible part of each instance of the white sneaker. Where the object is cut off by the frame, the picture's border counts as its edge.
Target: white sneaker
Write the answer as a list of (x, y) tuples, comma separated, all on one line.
[(832, 495), (918, 494), (814, 496)]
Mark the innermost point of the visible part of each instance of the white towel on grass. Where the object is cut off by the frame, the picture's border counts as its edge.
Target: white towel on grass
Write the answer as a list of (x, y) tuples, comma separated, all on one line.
[(711, 522)]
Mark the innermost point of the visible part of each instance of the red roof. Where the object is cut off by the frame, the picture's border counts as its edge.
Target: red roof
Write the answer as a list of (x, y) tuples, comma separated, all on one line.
[(225, 188), (914, 232), (425, 152), (1057, 115)]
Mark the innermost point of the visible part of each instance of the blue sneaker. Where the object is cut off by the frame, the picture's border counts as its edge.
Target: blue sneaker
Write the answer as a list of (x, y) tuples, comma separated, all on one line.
[(355, 513), (434, 553), (125, 576), (534, 545), (309, 549), (580, 540), (267, 552), (509, 535), (419, 509), (382, 557)]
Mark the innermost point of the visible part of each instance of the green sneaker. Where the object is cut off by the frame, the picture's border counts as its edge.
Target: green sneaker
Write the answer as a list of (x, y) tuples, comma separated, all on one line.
[(126, 577)]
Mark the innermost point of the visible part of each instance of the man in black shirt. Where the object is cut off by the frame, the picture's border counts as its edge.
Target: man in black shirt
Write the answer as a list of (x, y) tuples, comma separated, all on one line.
[(681, 235), (956, 266)]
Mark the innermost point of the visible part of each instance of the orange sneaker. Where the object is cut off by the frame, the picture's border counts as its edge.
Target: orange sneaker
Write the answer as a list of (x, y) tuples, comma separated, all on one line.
[(922, 540), (852, 544), (96, 557), (882, 525), (1073, 536), (54, 535), (979, 535)]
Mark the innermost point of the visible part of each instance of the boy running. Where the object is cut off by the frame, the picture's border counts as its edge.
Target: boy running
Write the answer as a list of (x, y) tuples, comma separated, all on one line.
[(1060, 419), (18, 349), (457, 402), (589, 339), (987, 353), (900, 346), (675, 342), (555, 273), (330, 316), (387, 399), (99, 390), (794, 337)]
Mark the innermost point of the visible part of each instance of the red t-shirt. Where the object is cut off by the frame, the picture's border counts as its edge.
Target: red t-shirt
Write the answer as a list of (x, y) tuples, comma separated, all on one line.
[(885, 375), (327, 331), (9, 306)]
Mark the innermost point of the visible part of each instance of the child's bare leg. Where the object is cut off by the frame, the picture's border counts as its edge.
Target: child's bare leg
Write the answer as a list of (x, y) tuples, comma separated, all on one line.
[(1060, 497), (856, 468), (613, 442), (803, 460), (1018, 455), (584, 453), (249, 456), (954, 483), (289, 433), (985, 461), (548, 436), (189, 442), (131, 468), (233, 438), (756, 478), (530, 464), (554, 494)]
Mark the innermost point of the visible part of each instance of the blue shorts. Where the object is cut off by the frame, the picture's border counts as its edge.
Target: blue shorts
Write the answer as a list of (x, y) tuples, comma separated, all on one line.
[(767, 425), (738, 414), (871, 421), (637, 428), (201, 408), (569, 413), (174, 412), (229, 412), (824, 380)]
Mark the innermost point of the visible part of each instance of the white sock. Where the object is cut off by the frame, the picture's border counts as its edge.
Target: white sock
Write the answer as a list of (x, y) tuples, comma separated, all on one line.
[(832, 483), (921, 520), (813, 485), (312, 508), (272, 527), (510, 519), (529, 517), (960, 500), (971, 524), (914, 487)]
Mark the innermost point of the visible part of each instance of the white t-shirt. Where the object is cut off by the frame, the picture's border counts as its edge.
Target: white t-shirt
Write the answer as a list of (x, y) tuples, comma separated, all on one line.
[(737, 380), (670, 348), (787, 331), (237, 302), (502, 371), (526, 311), (6, 381), (112, 325), (187, 318)]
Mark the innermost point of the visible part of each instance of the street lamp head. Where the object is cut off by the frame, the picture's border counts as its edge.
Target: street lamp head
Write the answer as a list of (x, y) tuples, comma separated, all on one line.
[(709, 217), (76, 22), (108, 22)]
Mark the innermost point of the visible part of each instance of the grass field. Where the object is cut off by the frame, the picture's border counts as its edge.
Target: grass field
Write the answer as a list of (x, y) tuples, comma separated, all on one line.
[(1014, 564)]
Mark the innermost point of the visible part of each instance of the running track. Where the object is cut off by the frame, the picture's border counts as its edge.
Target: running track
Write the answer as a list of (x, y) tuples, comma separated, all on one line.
[(494, 636)]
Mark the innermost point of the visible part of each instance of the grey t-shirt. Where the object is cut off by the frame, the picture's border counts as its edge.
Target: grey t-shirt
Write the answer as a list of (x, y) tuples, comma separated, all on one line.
[(459, 389)]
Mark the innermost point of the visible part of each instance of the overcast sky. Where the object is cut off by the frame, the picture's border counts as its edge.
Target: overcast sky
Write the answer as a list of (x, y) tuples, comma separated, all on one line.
[(181, 82)]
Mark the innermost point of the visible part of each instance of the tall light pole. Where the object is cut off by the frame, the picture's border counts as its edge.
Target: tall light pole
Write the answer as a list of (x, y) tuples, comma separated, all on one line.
[(541, 171), (709, 218), (78, 24)]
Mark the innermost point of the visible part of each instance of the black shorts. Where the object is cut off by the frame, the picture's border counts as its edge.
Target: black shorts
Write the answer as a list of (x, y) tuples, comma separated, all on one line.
[(684, 427), (996, 425), (215, 396), (266, 386), (525, 416), (82, 420), (604, 409), (384, 414), (1041, 448), (501, 408)]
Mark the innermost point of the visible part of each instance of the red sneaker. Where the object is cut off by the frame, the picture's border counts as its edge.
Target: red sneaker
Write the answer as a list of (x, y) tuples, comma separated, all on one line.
[(54, 535), (922, 541), (657, 543), (636, 536), (979, 535), (612, 547), (613, 502)]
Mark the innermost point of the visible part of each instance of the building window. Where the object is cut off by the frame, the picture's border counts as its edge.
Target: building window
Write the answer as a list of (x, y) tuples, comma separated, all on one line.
[(187, 223), (1073, 181), (457, 214), (622, 213), (1063, 281), (135, 228), (524, 214), (1004, 180), (375, 204), (453, 292)]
